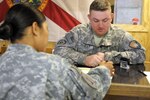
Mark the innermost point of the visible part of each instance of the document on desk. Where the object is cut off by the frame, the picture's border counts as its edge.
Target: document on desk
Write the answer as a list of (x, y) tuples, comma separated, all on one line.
[(148, 75), (86, 70)]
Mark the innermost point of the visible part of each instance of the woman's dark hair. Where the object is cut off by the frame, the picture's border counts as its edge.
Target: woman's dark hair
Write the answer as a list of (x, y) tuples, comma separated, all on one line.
[(19, 17)]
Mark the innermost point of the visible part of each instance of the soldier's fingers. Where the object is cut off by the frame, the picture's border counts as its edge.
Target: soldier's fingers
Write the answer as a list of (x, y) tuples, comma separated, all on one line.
[(96, 60), (102, 62), (109, 62), (113, 73)]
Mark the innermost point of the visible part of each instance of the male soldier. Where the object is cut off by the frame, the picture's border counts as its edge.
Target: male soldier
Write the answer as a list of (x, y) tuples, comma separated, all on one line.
[(91, 43)]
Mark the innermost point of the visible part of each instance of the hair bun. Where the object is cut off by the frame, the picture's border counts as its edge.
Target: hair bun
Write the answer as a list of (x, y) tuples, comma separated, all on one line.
[(6, 31)]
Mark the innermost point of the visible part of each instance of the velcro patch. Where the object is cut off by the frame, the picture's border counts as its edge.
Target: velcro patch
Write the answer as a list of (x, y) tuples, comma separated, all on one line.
[(89, 80), (134, 44), (61, 42)]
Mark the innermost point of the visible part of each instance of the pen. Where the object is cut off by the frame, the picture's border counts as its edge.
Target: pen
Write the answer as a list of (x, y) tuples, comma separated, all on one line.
[(142, 72)]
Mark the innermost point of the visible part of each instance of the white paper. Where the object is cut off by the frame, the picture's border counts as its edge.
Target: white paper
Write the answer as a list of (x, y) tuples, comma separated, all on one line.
[(85, 70), (148, 75)]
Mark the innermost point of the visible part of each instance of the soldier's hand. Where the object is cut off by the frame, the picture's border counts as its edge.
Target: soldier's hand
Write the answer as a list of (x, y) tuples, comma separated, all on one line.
[(101, 55), (93, 60), (109, 65)]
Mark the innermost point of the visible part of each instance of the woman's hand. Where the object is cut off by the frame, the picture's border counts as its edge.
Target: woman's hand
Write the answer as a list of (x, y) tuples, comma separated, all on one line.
[(109, 65)]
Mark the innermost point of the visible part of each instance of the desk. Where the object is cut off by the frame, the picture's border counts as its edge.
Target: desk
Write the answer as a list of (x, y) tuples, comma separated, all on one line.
[(130, 82)]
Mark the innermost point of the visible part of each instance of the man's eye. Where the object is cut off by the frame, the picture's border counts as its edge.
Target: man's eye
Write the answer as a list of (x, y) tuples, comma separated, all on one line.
[(105, 20), (96, 21)]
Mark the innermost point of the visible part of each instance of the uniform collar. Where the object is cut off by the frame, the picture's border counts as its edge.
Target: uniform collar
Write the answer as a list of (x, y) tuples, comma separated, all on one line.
[(20, 47), (107, 41), (89, 39)]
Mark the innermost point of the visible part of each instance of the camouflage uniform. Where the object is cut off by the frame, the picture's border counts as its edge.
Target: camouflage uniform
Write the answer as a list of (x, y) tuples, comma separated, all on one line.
[(116, 44), (26, 74)]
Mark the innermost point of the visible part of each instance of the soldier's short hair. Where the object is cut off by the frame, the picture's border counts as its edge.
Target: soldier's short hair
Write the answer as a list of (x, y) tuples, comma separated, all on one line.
[(100, 5)]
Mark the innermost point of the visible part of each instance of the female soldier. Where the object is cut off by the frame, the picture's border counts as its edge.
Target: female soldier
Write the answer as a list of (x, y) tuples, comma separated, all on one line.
[(27, 73)]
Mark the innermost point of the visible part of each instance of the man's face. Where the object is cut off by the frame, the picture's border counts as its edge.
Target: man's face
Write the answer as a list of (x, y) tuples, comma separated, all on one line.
[(100, 21)]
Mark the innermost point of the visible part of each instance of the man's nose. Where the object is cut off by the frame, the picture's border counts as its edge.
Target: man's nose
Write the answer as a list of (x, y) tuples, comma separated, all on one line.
[(100, 24)]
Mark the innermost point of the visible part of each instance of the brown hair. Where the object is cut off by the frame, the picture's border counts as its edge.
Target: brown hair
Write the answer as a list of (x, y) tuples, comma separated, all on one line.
[(100, 5)]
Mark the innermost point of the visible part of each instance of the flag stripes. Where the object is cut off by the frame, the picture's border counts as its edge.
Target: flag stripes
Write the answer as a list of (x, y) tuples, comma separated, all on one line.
[(59, 16)]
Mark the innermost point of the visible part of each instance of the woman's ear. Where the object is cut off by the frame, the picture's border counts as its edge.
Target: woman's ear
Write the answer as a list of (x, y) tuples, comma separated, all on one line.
[(35, 28)]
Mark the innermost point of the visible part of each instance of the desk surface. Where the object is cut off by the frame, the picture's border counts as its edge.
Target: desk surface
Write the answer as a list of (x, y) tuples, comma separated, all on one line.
[(130, 82)]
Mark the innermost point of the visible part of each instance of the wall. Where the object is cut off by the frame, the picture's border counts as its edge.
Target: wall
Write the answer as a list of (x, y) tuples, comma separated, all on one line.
[(146, 24)]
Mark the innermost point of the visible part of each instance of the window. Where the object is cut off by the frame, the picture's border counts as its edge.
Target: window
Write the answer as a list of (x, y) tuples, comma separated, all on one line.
[(127, 11)]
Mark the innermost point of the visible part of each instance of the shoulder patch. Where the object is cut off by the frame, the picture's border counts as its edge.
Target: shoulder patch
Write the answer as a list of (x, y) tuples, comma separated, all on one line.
[(134, 44), (89, 80), (84, 77), (61, 42)]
